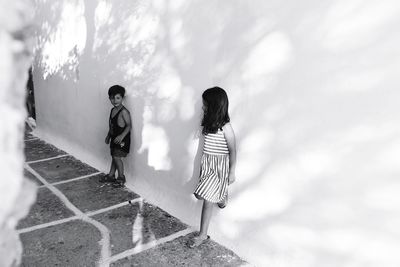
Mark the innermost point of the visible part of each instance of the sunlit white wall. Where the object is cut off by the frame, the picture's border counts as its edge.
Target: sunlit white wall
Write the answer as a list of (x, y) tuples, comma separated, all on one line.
[(312, 87)]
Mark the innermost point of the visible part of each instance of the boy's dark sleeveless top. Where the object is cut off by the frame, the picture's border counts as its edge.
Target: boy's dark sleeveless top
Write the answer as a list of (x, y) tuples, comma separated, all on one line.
[(116, 130)]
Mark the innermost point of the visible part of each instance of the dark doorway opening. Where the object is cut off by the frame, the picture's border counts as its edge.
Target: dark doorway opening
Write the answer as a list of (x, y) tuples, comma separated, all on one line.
[(30, 97)]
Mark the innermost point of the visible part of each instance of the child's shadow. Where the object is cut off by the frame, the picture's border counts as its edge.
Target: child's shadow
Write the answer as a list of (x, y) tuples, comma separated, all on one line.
[(191, 183), (150, 223), (142, 233)]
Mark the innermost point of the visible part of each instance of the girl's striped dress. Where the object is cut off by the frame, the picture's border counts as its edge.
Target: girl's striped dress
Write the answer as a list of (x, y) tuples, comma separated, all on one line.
[(213, 183)]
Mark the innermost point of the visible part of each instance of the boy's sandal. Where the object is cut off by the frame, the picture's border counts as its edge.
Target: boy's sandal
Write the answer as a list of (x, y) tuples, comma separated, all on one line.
[(106, 179), (197, 241), (119, 182)]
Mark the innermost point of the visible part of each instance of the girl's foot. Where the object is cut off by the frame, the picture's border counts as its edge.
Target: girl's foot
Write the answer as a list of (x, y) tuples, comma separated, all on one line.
[(197, 241), (222, 204), (106, 178), (120, 181)]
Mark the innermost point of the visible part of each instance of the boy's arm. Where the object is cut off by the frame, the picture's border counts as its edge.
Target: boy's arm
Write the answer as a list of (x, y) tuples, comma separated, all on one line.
[(108, 133), (109, 127), (231, 141), (128, 124), (108, 136)]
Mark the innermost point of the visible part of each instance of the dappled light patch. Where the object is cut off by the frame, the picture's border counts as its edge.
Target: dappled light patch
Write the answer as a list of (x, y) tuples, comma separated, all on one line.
[(355, 24), (313, 101), (65, 39), (155, 141), (271, 54)]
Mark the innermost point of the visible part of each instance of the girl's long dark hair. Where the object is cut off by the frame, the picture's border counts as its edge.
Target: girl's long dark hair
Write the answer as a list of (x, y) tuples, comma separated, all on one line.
[(215, 106)]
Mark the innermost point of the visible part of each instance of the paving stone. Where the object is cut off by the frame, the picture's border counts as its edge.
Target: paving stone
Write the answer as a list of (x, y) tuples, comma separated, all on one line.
[(73, 243), (76, 243), (89, 194), (47, 208), (129, 227), (60, 169), (32, 177), (38, 149), (176, 253)]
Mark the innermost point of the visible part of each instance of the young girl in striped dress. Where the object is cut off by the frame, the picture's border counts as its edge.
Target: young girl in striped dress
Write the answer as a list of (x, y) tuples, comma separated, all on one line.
[(218, 160)]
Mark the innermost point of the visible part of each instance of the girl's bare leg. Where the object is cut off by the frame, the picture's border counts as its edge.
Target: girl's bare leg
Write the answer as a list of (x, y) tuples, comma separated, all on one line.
[(205, 222), (205, 218)]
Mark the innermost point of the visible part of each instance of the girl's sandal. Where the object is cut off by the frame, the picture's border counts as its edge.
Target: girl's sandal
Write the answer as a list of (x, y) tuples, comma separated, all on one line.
[(120, 181), (222, 204), (106, 179), (197, 241)]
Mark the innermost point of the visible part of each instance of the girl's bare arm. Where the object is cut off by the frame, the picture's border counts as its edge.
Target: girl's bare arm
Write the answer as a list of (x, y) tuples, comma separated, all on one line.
[(231, 141)]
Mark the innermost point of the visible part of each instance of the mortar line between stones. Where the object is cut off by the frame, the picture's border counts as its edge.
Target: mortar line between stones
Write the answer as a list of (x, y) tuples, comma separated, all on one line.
[(105, 233), (35, 138), (95, 212), (40, 160), (45, 225), (139, 249), (106, 257), (90, 213), (73, 179), (57, 192)]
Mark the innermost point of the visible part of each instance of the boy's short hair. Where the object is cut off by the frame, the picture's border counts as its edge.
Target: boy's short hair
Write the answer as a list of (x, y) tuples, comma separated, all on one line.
[(115, 90)]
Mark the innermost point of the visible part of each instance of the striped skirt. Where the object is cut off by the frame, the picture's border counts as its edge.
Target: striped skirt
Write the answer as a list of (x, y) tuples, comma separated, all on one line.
[(213, 183)]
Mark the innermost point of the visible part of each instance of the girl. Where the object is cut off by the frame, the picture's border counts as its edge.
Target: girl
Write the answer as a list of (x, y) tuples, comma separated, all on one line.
[(118, 135), (218, 160)]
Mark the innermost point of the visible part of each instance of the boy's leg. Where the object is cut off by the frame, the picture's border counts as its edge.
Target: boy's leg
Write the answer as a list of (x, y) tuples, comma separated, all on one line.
[(111, 175), (120, 181), (113, 168), (119, 165)]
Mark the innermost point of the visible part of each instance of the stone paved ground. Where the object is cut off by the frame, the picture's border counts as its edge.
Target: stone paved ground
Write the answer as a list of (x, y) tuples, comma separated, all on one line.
[(77, 221)]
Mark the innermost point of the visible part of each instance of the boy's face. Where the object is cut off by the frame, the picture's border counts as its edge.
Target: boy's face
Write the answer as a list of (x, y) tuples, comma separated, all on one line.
[(116, 100)]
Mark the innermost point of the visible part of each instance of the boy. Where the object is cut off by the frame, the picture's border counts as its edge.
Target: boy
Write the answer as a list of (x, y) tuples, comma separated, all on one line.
[(118, 135)]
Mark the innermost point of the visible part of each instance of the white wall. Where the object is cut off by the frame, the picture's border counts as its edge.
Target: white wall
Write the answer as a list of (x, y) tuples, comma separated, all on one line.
[(314, 103)]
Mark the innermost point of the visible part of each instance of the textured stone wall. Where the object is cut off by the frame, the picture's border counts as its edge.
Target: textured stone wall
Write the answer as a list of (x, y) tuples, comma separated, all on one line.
[(16, 194)]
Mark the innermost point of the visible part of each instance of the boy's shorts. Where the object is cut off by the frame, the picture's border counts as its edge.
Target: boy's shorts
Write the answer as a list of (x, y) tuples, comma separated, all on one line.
[(117, 152)]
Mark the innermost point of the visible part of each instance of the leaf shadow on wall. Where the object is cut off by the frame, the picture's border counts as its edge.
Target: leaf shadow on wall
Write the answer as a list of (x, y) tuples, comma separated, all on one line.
[(292, 76)]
